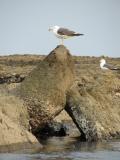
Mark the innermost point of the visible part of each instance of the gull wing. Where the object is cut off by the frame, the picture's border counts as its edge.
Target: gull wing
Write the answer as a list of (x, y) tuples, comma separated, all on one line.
[(65, 31), (111, 67)]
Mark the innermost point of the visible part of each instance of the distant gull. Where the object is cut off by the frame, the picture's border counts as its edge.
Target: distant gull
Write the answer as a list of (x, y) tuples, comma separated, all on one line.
[(63, 33), (105, 66)]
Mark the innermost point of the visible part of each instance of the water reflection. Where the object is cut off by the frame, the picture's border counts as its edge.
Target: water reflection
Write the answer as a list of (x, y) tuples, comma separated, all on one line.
[(68, 143), (67, 148)]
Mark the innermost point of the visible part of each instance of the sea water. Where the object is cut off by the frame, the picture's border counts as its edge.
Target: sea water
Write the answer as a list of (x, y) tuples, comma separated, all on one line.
[(67, 148)]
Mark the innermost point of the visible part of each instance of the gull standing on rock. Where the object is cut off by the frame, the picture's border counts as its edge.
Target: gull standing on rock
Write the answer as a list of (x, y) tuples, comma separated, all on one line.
[(105, 66), (63, 33)]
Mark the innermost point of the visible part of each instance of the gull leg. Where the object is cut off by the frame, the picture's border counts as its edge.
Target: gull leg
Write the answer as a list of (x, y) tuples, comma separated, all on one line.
[(62, 41)]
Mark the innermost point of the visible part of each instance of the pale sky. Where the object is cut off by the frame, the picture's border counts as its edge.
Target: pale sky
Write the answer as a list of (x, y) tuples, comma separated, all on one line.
[(24, 26)]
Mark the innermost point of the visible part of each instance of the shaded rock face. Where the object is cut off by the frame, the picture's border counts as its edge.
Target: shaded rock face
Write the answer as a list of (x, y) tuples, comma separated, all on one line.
[(44, 90), (52, 128)]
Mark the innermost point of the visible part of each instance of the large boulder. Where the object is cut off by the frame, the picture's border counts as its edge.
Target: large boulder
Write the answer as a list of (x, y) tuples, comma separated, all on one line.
[(93, 102), (44, 90)]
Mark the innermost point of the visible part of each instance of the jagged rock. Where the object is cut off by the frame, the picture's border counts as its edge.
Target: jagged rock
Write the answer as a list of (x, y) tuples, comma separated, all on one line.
[(44, 90)]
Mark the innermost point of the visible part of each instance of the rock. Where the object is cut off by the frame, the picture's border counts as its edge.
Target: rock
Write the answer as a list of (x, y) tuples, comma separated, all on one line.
[(74, 107), (64, 118), (52, 128), (12, 78), (37, 100), (93, 105), (13, 121), (93, 101), (11, 133), (44, 90)]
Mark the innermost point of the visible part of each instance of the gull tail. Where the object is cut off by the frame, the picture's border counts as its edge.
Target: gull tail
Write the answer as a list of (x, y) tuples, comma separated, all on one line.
[(116, 69), (78, 34)]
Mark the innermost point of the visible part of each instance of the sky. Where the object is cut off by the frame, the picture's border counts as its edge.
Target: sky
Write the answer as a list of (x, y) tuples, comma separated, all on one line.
[(24, 26)]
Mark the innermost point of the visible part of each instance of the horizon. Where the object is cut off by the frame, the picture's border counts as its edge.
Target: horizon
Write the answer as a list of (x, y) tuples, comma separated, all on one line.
[(37, 54), (25, 23)]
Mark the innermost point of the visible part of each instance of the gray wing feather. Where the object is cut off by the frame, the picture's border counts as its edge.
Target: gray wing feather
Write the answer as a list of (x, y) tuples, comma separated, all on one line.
[(111, 67), (64, 31)]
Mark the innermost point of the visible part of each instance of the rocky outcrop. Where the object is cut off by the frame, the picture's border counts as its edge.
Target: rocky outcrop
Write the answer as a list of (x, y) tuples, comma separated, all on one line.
[(92, 99), (49, 88), (93, 102), (37, 100), (13, 120), (44, 90)]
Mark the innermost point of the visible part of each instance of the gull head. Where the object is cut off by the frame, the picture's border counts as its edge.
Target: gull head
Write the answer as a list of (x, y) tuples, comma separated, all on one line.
[(53, 28), (102, 61)]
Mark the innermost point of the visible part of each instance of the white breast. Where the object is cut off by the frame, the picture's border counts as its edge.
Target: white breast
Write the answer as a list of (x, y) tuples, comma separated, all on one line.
[(102, 66)]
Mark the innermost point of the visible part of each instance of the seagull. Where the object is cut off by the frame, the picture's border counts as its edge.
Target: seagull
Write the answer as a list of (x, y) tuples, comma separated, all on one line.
[(63, 33), (105, 66)]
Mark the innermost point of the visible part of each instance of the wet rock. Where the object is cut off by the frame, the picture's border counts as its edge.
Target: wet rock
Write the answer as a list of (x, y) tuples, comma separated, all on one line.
[(52, 129)]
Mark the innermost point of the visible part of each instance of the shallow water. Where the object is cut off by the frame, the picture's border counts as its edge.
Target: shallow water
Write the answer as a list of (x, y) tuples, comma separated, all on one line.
[(68, 149)]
